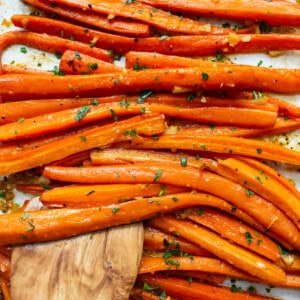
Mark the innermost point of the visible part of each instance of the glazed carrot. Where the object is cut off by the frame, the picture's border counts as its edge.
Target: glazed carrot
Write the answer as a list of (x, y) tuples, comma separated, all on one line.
[(175, 45), (73, 160), (14, 111), (272, 219), (151, 264), (118, 25), (207, 278), (262, 184), (102, 195), (4, 266), (235, 255), (147, 14), (49, 43), (237, 232), (73, 62), (137, 294), (274, 12), (4, 286), (70, 222), (182, 289), (285, 107), (223, 144), (10, 69), (155, 240), (84, 140), (293, 268), (34, 189)]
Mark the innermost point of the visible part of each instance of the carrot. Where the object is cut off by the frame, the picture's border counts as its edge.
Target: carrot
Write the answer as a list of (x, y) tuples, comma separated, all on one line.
[(237, 232), (84, 140), (151, 264), (155, 240), (10, 69), (235, 255), (272, 219), (175, 45), (147, 14), (65, 119), (285, 107), (102, 195), (262, 184), (118, 25), (74, 160), (4, 286), (67, 222), (222, 144), (14, 111), (34, 189), (182, 289), (4, 266), (137, 294), (274, 12), (207, 278), (49, 43), (293, 268), (73, 62)]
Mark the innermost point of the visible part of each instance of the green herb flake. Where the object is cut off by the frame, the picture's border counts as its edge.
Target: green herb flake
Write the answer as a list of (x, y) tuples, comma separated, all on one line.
[(205, 76), (23, 50), (82, 112), (77, 55), (248, 237), (90, 192), (200, 211), (115, 116), (31, 226), (157, 175), (259, 150), (249, 193), (25, 216), (143, 96), (175, 199), (57, 54), (115, 210), (132, 132), (83, 138), (183, 161), (95, 102), (20, 120)]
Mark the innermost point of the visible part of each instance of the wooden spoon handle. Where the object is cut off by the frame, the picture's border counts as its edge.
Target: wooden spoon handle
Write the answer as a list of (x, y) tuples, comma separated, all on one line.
[(102, 265)]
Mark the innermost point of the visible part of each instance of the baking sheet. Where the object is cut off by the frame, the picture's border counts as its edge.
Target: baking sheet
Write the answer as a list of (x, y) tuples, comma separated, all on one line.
[(290, 59)]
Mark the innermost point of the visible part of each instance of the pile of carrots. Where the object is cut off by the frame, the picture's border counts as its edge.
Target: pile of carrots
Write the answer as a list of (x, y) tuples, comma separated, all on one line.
[(171, 138)]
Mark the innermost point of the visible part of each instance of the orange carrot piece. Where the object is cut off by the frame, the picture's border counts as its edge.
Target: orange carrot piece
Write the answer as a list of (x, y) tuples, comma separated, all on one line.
[(285, 107), (175, 45), (293, 268), (34, 189), (4, 286), (137, 294), (237, 232), (14, 111), (49, 43), (84, 140), (273, 219), (74, 160), (102, 195), (207, 278), (235, 255), (118, 25), (147, 14), (223, 144), (182, 289), (155, 240), (274, 12), (151, 264), (4, 266), (74, 63), (9, 69), (262, 184)]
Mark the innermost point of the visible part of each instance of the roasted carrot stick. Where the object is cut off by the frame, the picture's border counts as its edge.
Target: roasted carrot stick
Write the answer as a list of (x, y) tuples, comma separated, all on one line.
[(237, 232), (272, 219), (182, 289), (273, 12), (4, 266), (84, 140), (34, 189), (103, 195), (65, 119), (207, 278), (223, 144), (176, 45), (4, 286), (238, 256), (262, 184), (293, 268), (9, 69), (194, 263), (155, 240), (14, 111), (118, 25), (285, 107), (73, 160), (137, 294), (147, 14), (49, 43), (73, 62)]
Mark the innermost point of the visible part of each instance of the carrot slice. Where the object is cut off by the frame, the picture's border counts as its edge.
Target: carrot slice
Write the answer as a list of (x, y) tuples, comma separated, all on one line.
[(151, 264), (273, 219), (155, 240), (118, 25), (73, 62), (84, 140), (274, 12), (182, 289), (102, 195), (147, 14), (237, 232), (175, 45), (246, 260)]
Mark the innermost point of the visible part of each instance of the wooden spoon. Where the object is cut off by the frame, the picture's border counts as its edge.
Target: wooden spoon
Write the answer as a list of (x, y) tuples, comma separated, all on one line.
[(102, 265)]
